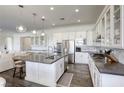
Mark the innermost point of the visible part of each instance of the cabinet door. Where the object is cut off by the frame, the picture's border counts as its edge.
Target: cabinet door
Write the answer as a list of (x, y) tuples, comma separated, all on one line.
[(108, 28), (78, 57), (81, 57), (96, 77), (79, 35), (94, 35), (59, 68), (103, 31), (71, 35), (117, 26), (32, 71), (89, 38), (92, 70), (65, 35)]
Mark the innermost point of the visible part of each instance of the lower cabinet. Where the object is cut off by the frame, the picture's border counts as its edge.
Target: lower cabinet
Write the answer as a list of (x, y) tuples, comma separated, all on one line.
[(59, 68), (45, 74), (104, 79), (81, 57), (97, 77), (91, 68)]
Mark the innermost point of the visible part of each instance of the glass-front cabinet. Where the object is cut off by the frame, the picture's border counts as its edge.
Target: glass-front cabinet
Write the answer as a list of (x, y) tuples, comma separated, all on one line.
[(97, 35), (103, 31), (38, 40), (109, 27), (117, 25)]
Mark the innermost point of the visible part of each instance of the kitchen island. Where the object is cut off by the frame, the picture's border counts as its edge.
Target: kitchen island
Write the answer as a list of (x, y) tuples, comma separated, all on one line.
[(44, 68)]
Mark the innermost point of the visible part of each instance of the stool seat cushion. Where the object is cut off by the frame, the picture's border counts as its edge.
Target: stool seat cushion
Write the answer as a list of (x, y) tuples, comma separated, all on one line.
[(19, 66), (16, 62)]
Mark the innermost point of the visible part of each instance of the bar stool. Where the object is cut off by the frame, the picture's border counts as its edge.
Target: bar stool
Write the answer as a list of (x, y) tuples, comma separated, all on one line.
[(19, 65)]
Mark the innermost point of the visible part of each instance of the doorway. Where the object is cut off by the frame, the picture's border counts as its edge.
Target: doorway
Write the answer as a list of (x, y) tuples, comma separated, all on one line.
[(9, 44), (25, 43)]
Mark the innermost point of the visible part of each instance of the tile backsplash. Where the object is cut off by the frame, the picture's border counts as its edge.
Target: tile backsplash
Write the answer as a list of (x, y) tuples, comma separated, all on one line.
[(118, 53)]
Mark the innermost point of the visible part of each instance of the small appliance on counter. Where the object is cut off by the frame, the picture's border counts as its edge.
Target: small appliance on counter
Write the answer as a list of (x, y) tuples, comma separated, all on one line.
[(59, 48), (78, 49), (110, 58)]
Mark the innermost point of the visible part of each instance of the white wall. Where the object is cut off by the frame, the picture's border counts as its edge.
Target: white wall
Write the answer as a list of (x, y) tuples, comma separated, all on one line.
[(57, 34), (3, 37)]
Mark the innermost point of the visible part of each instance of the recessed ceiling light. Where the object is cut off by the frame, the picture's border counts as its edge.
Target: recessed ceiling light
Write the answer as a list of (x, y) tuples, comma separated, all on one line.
[(53, 24), (43, 17), (62, 18), (21, 6), (76, 10), (42, 34), (51, 8), (34, 31), (78, 20)]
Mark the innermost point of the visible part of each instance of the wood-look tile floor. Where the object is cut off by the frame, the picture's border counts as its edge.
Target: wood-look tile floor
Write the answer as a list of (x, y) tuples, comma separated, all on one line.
[(81, 77), (16, 81)]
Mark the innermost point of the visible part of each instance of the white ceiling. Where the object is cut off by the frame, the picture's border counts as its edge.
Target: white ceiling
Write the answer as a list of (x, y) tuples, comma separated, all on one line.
[(12, 15)]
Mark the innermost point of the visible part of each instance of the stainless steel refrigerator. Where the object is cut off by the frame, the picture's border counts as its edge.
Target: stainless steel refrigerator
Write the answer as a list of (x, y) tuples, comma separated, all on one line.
[(69, 48)]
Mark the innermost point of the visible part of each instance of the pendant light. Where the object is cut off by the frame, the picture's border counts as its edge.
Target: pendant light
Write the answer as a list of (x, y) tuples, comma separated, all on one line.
[(34, 15), (43, 33), (21, 28)]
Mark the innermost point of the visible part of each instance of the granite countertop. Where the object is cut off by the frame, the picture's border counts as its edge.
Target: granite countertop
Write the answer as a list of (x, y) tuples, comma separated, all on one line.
[(115, 68), (46, 58)]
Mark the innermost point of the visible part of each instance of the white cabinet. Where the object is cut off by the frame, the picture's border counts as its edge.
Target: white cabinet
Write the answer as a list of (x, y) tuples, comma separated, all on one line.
[(59, 68), (89, 37), (117, 19), (71, 35), (104, 79), (109, 80), (45, 74), (38, 40), (97, 77), (57, 37), (91, 67), (81, 57), (66, 35), (103, 31), (109, 27), (32, 71)]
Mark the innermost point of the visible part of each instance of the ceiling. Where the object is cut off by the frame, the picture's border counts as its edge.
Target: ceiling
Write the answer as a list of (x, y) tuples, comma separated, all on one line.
[(12, 16)]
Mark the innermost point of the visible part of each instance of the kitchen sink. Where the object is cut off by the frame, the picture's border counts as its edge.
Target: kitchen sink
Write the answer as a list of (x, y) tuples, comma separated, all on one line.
[(50, 57), (98, 55)]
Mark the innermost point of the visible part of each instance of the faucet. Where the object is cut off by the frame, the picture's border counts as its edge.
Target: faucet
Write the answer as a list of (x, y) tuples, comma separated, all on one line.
[(50, 48)]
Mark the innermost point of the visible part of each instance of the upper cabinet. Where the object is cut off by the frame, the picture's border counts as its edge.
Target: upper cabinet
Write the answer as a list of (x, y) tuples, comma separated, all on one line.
[(117, 25), (109, 27), (38, 40), (103, 31)]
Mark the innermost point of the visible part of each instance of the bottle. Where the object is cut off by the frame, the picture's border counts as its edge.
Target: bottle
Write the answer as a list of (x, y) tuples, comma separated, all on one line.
[(105, 60)]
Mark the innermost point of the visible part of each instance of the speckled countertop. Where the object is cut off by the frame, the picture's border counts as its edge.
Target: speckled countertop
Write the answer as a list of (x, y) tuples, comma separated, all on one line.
[(115, 68), (41, 57)]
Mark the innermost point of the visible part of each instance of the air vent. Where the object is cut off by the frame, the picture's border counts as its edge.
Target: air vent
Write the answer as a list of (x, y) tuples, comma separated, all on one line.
[(21, 6), (34, 14), (62, 18)]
